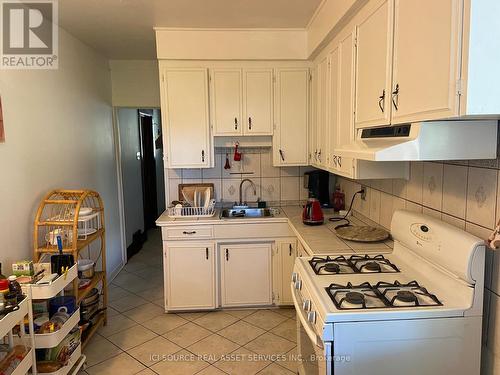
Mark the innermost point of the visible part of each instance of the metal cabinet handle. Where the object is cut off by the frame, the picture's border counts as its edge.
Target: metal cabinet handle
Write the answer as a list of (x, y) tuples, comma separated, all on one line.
[(227, 254), (189, 232), (298, 284), (203, 155), (339, 160), (306, 305), (281, 155), (290, 249), (395, 97), (294, 277), (235, 123), (250, 123), (319, 155), (316, 155), (334, 160), (311, 316), (381, 101), (206, 252)]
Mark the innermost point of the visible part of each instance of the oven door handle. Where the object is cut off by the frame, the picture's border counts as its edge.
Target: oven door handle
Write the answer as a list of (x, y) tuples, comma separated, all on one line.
[(297, 301)]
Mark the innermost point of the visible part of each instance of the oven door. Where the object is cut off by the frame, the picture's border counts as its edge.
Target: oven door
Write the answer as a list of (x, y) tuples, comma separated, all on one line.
[(314, 354)]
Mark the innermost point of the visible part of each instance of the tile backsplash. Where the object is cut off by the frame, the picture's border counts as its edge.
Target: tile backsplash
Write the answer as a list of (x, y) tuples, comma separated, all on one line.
[(275, 185), (465, 194)]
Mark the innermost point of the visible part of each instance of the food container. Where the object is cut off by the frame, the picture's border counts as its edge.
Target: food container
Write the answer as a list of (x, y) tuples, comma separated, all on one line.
[(69, 302), (86, 268)]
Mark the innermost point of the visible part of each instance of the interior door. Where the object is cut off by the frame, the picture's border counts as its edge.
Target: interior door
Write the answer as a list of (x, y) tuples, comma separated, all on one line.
[(426, 59), (186, 117), (258, 101), (292, 117), (190, 276), (246, 274), (374, 67), (345, 128), (226, 90), (288, 253), (322, 114)]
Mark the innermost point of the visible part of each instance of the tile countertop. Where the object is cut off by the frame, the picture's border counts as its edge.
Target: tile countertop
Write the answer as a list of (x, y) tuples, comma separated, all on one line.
[(320, 239)]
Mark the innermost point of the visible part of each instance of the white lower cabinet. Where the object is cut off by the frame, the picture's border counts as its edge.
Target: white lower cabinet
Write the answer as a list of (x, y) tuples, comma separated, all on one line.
[(190, 275), (286, 251), (246, 274)]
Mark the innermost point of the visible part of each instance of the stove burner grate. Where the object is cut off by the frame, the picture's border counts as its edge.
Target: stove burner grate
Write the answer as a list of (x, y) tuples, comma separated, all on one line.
[(353, 264)]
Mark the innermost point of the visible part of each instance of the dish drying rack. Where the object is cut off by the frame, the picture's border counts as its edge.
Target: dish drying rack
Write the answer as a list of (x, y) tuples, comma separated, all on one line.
[(174, 212)]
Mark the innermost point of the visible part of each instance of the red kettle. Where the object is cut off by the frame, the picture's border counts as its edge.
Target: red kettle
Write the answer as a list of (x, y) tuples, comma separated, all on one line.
[(312, 214)]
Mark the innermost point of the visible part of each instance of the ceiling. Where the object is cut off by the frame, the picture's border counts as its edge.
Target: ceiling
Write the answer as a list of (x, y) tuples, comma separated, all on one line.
[(123, 29)]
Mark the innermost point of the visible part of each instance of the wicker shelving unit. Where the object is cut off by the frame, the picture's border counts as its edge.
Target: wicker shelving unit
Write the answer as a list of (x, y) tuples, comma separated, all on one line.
[(59, 215)]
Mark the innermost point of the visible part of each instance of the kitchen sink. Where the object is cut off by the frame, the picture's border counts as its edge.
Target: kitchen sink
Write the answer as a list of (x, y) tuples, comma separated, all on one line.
[(241, 213)]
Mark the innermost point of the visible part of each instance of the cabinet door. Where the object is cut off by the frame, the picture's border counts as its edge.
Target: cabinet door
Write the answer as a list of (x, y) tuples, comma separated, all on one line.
[(426, 59), (374, 65), (190, 276), (246, 275), (322, 115), (288, 251), (258, 102), (313, 125), (226, 90), (333, 107), (185, 113), (292, 117), (345, 128)]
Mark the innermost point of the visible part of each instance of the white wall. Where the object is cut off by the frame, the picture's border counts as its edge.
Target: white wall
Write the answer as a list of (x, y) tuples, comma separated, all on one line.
[(58, 127), (135, 83), (130, 144)]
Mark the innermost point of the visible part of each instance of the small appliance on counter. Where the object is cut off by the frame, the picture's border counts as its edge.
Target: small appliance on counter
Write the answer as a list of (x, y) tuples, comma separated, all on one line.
[(317, 183), (312, 214)]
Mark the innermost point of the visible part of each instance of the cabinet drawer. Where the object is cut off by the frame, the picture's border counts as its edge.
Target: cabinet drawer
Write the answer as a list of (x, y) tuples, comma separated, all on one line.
[(187, 232)]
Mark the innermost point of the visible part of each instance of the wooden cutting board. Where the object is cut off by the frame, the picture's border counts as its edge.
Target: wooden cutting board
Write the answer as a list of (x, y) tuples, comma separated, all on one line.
[(362, 233)]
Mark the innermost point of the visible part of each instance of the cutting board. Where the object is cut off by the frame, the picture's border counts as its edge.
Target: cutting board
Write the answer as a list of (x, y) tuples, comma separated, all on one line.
[(362, 233)]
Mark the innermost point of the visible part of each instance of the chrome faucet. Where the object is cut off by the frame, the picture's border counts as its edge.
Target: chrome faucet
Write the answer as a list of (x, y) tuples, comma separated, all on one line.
[(241, 190)]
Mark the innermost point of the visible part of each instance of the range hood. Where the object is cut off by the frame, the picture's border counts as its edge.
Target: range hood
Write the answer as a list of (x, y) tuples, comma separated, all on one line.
[(433, 140)]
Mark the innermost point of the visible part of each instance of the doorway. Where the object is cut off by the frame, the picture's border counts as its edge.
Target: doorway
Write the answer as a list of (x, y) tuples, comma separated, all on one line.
[(140, 166)]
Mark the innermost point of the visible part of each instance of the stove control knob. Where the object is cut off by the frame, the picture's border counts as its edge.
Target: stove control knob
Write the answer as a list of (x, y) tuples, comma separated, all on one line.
[(306, 305), (311, 316), (294, 277), (298, 284)]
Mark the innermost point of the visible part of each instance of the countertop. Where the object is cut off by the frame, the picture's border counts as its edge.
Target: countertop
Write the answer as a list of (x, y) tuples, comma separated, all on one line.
[(320, 239)]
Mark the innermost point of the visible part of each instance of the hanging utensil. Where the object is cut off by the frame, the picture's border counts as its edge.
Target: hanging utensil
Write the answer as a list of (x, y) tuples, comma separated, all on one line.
[(227, 165)]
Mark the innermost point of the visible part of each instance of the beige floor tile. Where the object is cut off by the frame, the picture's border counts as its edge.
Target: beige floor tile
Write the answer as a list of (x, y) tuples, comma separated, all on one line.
[(269, 344), (133, 267), (144, 312), (240, 314), (192, 315), (126, 303), (99, 350), (288, 312), (152, 294), (143, 285), (211, 370), (265, 319), (159, 302), (154, 350), (215, 321), (116, 324), (116, 292), (132, 337), (187, 334), (111, 312), (126, 279), (164, 323), (274, 369), (146, 371), (287, 329), (213, 347), (290, 362), (122, 364), (241, 332), (241, 362), (180, 363)]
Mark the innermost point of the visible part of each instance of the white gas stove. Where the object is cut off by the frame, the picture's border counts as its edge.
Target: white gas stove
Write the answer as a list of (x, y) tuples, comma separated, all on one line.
[(417, 310)]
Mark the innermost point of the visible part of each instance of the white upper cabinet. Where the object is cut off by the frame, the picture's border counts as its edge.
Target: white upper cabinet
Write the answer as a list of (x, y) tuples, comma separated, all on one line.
[(258, 101), (426, 59), (186, 117), (374, 65), (290, 145), (333, 107), (226, 102), (322, 131)]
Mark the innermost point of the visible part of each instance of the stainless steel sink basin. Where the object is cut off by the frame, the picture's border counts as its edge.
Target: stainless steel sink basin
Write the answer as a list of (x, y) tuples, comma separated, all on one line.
[(241, 213)]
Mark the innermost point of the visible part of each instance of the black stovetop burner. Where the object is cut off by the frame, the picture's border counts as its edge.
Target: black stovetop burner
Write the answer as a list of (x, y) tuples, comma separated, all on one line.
[(381, 295), (329, 265)]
